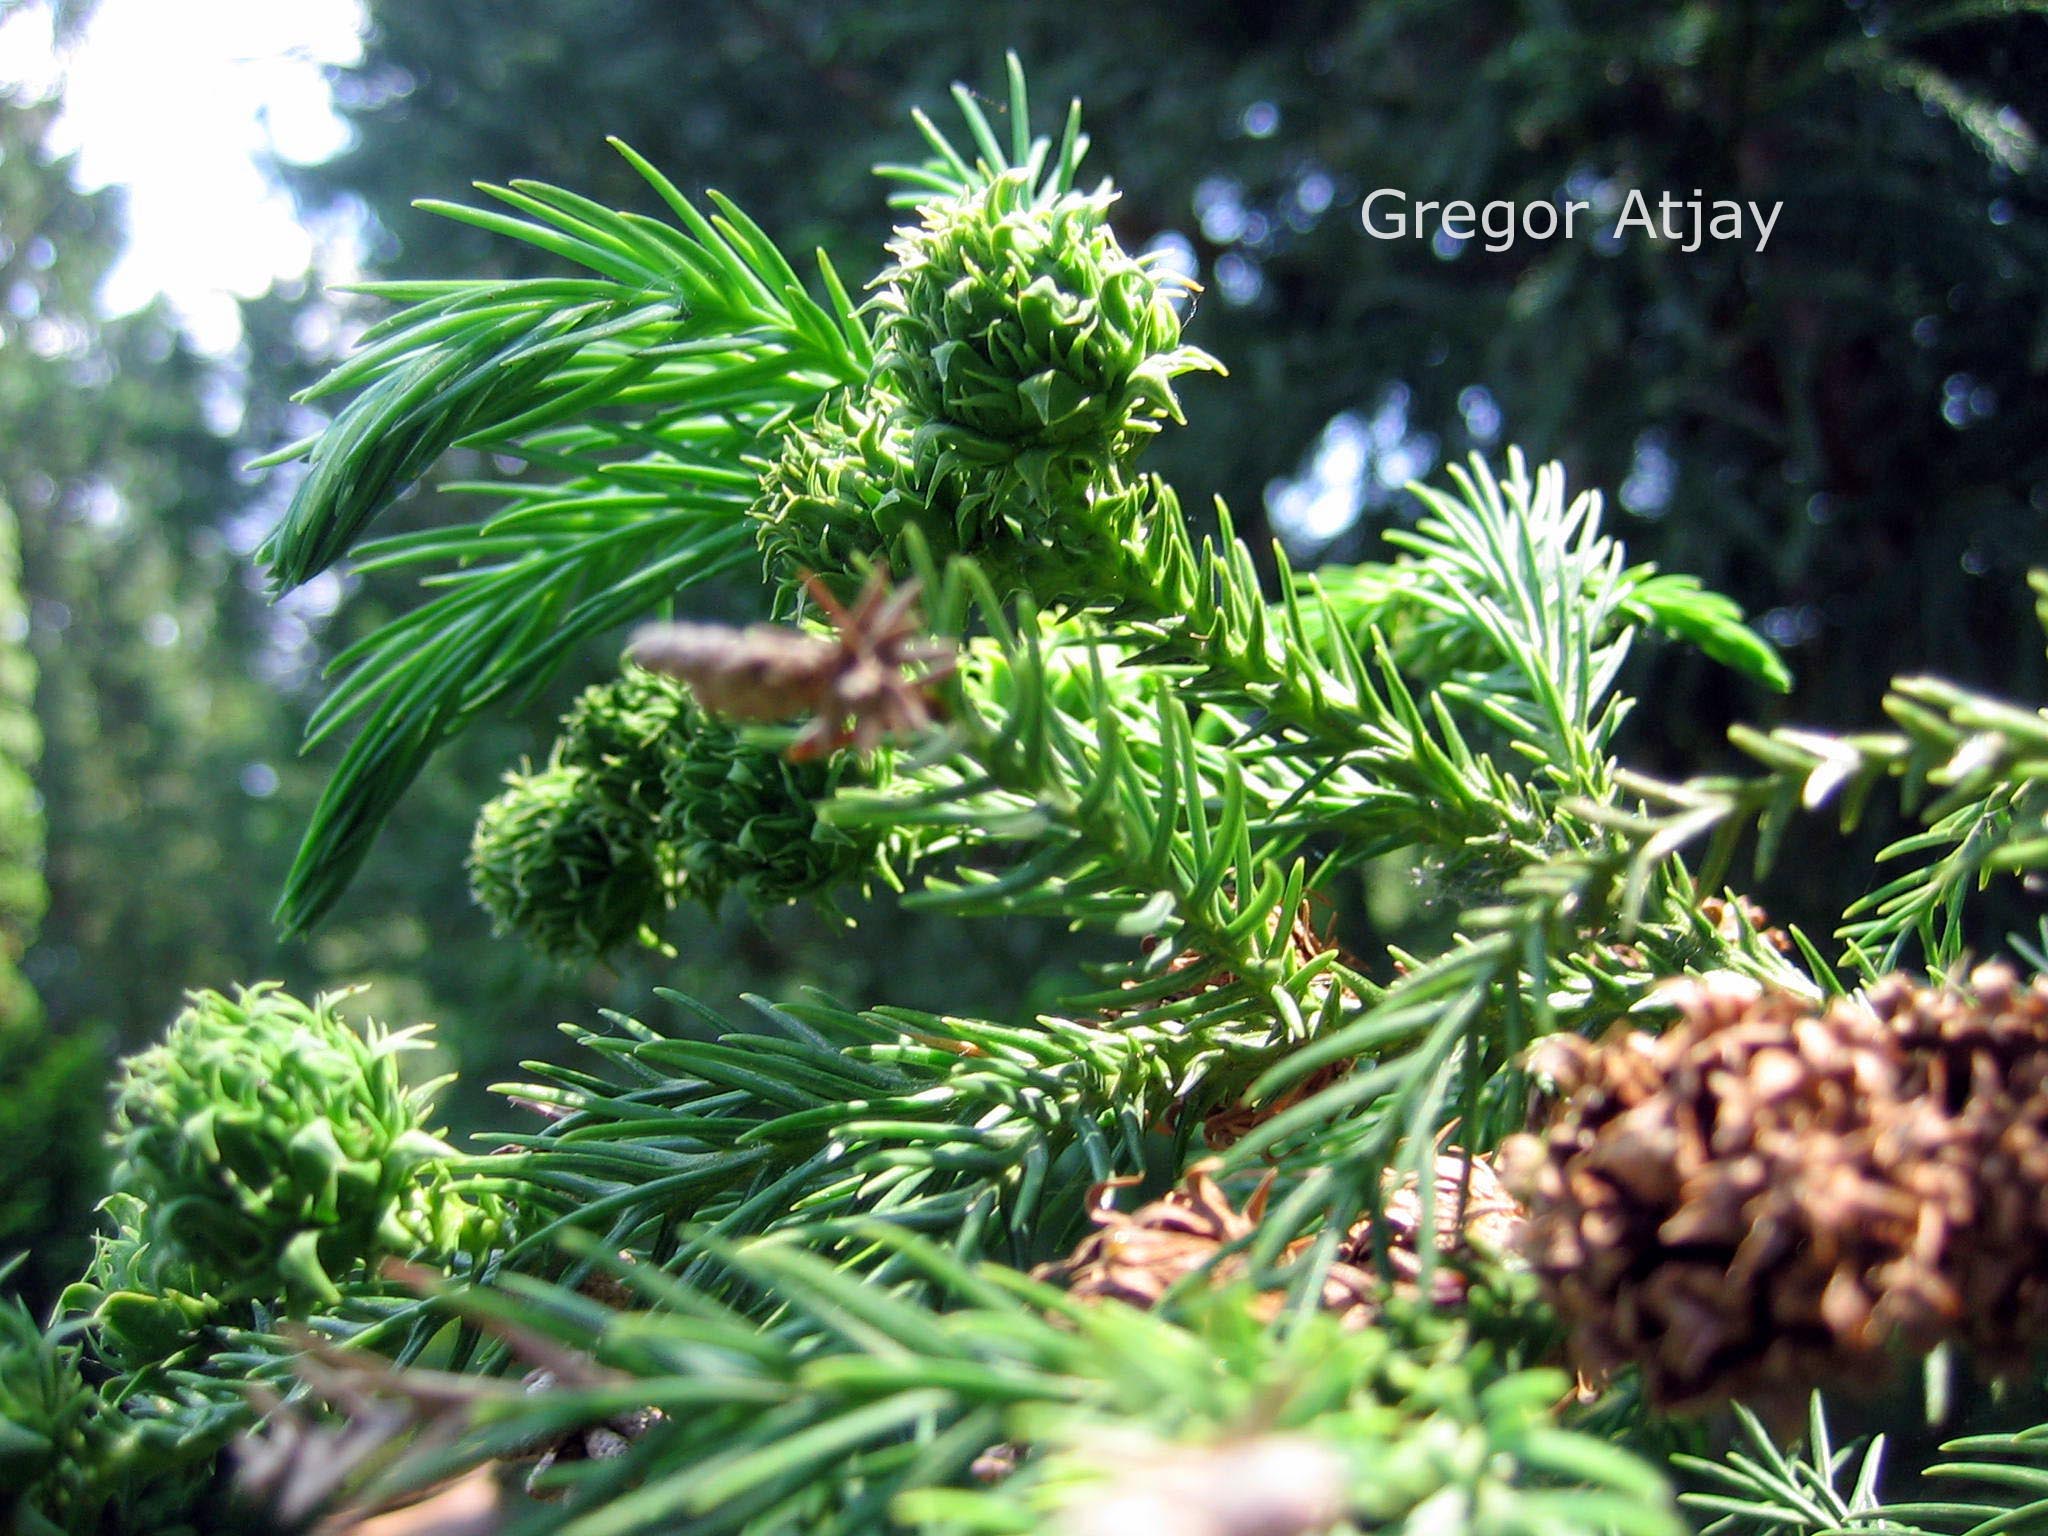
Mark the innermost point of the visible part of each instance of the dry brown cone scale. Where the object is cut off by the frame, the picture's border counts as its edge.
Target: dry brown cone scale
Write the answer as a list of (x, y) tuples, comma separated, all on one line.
[(1231, 1123), (1770, 1195), (1980, 1061), (872, 679), (1139, 1256)]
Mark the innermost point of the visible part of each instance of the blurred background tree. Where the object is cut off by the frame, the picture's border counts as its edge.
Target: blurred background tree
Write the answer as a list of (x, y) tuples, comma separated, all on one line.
[(1848, 430), (49, 1083)]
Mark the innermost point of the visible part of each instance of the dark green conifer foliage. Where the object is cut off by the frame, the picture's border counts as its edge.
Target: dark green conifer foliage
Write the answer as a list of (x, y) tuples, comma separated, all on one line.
[(791, 1267)]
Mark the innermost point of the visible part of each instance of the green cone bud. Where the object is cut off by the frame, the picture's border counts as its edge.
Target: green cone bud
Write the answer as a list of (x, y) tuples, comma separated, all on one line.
[(743, 819), (851, 480), (646, 799), (624, 733), (1032, 355), (1015, 324), (1023, 358), (833, 496), (555, 860), (568, 857), (273, 1149)]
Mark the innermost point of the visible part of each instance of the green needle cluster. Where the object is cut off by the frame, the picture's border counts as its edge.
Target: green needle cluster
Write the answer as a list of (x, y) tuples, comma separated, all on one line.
[(47, 1415)]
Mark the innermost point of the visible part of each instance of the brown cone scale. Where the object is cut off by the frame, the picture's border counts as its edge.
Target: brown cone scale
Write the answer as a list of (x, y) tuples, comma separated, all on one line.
[(1773, 1193), (1138, 1257)]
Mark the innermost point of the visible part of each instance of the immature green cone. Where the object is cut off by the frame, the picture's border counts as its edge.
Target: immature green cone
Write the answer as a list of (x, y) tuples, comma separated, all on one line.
[(646, 799), (838, 492), (624, 731), (853, 479), (274, 1149), (1023, 358), (568, 857), (720, 813), (1032, 358), (739, 818), (1021, 337), (557, 861)]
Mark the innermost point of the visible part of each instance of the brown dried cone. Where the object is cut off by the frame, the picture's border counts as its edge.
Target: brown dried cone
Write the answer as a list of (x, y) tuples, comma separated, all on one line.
[(1732, 919), (871, 680), (1230, 1123), (1760, 1200), (1981, 1058), (1474, 1213), (1138, 1257)]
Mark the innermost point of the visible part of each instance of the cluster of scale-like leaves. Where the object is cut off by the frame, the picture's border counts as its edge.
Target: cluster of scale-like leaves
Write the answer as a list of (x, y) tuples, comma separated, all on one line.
[(1023, 357), (645, 799), (273, 1149), (141, 1310), (855, 478), (73, 1462)]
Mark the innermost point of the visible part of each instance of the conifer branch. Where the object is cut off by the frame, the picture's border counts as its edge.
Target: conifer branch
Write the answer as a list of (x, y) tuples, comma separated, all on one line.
[(643, 388), (1972, 769), (795, 1274)]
